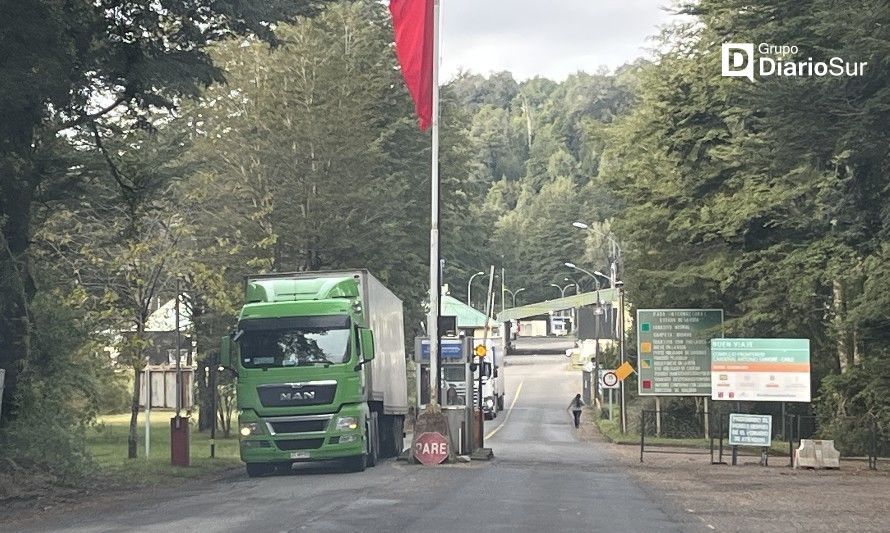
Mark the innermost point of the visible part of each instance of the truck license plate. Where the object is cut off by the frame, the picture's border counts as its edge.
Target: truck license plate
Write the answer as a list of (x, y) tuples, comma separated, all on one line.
[(299, 455)]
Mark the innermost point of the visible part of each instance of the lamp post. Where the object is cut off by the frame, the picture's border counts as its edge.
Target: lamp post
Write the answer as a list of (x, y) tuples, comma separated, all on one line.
[(619, 285), (562, 290), (470, 286), (615, 264), (579, 269), (575, 283), (513, 295)]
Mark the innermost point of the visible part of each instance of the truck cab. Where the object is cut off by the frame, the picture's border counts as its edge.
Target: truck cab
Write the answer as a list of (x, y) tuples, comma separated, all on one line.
[(320, 370)]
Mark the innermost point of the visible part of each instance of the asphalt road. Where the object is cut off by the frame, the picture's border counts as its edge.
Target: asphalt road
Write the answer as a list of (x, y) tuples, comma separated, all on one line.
[(542, 479)]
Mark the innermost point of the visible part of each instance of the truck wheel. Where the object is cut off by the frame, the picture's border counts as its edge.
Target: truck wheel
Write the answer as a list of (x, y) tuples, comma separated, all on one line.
[(397, 430), (258, 469), (355, 464), (391, 435)]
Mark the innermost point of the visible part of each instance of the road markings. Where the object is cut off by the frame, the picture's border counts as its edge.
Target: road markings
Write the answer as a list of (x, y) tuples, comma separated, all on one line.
[(509, 411)]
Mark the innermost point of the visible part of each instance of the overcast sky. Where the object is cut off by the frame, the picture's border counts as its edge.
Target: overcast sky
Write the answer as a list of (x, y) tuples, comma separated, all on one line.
[(551, 38)]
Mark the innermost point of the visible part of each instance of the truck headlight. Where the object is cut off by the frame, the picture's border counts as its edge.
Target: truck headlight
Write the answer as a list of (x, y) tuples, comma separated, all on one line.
[(489, 403), (346, 423), (250, 428)]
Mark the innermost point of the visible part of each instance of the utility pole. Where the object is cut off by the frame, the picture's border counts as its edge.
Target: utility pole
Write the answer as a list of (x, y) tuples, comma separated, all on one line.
[(503, 289), (178, 359), (621, 343)]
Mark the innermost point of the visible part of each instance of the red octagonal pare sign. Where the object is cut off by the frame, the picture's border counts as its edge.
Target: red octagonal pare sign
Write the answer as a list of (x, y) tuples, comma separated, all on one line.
[(431, 448)]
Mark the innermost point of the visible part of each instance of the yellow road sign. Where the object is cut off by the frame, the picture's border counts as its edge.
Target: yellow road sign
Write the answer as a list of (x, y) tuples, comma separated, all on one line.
[(624, 370), (480, 350)]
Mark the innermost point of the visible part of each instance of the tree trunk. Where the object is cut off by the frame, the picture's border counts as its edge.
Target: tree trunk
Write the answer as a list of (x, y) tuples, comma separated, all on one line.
[(17, 287), (844, 354), (205, 394), (134, 415)]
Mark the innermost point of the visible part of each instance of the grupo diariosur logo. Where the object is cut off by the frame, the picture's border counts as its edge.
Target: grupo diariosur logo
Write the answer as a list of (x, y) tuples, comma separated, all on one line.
[(739, 60)]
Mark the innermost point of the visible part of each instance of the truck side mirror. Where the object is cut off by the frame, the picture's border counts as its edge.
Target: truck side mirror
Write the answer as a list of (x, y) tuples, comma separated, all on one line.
[(486, 369), (495, 372), (367, 344), (225, 351)]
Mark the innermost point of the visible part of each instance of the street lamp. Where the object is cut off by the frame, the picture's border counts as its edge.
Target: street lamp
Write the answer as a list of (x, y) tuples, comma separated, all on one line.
[(575, 283), (513, 295), (615, 265), (562, 290), (579, 269), (600, 274), (470, 286)]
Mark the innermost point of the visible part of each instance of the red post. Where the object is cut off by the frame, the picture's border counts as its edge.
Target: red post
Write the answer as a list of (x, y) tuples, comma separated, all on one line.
[(179, 441)]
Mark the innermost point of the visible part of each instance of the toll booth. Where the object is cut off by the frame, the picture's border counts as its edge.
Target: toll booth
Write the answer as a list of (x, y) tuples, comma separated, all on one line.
[(457, 386)]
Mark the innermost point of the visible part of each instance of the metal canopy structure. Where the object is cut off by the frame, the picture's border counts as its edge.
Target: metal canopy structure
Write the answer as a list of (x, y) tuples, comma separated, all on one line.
[(467, 317), (558, 304)]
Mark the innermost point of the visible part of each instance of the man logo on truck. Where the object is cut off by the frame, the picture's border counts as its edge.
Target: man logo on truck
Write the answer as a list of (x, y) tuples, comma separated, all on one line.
[(297, 395)]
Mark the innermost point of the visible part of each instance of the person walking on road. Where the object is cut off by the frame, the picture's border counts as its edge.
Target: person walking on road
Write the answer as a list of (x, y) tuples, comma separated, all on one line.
[(575, 406)]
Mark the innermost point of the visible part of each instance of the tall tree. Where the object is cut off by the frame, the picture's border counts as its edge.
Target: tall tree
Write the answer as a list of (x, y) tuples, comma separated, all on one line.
[(82, 63)]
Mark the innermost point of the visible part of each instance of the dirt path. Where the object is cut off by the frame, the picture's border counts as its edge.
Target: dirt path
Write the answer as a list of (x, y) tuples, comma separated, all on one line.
[(751, 498)]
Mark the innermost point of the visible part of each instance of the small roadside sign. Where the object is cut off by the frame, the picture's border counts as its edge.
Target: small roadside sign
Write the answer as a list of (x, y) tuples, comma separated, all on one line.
[(750, 430), (431, 448), (608, 379), (624, 371)]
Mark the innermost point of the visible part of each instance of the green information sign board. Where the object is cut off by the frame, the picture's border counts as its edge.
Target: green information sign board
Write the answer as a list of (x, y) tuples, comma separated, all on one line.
[(673, 346)]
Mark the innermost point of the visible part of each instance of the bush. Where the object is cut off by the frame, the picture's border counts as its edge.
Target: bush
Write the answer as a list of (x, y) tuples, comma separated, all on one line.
[(58, 394)]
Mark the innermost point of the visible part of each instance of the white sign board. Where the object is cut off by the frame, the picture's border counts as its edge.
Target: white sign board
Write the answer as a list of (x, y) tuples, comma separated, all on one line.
[(760, 370), (750, 430), (608, 379)]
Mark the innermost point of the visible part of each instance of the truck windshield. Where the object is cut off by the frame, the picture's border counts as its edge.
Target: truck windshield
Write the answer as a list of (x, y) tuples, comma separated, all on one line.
[(294, 341)]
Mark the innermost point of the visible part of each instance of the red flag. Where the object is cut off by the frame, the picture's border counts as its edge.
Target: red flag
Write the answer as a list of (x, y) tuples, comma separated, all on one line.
[(412, 21)]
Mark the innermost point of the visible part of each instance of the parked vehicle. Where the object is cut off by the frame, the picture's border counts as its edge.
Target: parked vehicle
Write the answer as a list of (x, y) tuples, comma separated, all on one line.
[(320, 360)]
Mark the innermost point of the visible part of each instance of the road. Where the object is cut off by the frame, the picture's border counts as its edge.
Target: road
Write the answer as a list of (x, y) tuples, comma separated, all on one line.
[(542, 479)]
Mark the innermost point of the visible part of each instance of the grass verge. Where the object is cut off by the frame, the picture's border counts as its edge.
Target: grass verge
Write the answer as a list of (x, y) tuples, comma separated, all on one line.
[(107, 442)]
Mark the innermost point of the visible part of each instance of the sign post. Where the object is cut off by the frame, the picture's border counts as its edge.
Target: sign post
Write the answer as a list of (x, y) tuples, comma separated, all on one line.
[(608, 380), (674, 351)]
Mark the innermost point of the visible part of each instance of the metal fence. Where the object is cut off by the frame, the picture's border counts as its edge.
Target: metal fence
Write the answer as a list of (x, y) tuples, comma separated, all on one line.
[(698, 433), (669, 431), (863, 438)]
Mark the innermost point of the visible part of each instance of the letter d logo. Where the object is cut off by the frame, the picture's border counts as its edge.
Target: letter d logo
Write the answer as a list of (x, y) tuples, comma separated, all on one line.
[(737, 60)]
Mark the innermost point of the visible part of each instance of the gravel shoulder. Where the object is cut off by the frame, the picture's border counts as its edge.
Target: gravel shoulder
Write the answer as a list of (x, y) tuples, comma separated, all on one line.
[(748, 497)]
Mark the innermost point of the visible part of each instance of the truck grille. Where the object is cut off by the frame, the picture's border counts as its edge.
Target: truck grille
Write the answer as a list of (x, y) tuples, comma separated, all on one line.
[(299, 426), (299, 444), (297, 394)]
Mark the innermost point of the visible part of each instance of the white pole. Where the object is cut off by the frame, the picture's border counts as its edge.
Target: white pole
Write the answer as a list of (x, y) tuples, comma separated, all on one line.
[(147, 388), (433, 317)]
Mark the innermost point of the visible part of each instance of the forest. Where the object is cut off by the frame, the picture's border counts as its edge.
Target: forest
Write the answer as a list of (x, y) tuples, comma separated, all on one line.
[(140, 147)]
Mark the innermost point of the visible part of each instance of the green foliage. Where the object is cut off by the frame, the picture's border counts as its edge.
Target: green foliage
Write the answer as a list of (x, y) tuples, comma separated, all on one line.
[(59, 395), (767, 200)]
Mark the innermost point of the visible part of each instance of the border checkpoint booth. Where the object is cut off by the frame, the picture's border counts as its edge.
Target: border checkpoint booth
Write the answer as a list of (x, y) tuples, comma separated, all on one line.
[(457, 387)]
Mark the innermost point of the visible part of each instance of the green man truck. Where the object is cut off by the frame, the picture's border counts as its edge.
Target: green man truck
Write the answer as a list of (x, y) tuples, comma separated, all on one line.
[(320, 365)]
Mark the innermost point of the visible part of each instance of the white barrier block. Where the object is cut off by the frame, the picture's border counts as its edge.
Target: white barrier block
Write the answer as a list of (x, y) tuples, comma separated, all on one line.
[(814, 453)]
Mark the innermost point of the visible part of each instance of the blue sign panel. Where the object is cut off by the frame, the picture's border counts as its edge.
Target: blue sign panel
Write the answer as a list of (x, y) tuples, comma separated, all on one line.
[(452, 350)]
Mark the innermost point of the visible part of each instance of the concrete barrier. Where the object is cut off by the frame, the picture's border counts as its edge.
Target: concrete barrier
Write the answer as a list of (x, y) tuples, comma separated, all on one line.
[(814, 453)]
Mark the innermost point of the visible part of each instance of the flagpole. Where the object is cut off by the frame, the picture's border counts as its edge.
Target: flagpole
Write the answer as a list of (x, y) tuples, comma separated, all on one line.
[(435, 283)]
